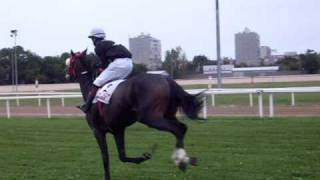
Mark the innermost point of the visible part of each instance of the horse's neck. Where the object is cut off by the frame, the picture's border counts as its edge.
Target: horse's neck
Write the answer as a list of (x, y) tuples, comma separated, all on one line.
[(85, 82)]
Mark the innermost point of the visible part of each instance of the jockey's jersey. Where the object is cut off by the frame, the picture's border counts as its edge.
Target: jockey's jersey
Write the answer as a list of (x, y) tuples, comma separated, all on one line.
[(108, 51)]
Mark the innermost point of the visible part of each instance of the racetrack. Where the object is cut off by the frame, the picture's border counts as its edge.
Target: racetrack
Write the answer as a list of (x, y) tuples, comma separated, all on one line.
[(226, 80)]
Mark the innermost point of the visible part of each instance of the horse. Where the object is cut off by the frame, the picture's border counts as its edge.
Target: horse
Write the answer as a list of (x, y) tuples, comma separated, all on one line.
[(150, 99)]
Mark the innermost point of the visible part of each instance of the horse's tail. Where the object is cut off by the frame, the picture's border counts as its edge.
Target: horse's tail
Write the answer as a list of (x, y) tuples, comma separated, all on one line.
[(191, 104)]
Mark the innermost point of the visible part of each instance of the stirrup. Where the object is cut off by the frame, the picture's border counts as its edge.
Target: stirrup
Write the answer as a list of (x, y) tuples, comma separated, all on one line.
[(84, 107)]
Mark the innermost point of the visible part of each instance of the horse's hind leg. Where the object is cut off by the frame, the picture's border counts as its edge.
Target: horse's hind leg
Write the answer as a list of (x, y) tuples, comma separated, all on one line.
[(119, 138), (173, 126), (179, 130)]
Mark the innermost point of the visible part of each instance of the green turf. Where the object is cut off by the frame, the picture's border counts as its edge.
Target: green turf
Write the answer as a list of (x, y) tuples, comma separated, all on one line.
[(228, 148)]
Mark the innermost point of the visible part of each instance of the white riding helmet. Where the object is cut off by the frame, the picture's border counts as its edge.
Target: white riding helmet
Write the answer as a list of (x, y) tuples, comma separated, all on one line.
[(98, 33)]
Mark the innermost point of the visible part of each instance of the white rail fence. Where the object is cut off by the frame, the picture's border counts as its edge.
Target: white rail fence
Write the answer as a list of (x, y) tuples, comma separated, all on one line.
[(257, 91), (209, 93), (40, 97)]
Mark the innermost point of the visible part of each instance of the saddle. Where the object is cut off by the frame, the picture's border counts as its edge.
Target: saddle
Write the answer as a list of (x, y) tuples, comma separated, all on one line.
[(104, 94)]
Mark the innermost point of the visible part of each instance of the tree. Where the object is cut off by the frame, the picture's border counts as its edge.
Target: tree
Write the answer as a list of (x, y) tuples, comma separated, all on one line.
[(32, 67), (5, 66), (310, 62), (176, 62), (198, 62), (32, 64), (53, 70), (289, 64)]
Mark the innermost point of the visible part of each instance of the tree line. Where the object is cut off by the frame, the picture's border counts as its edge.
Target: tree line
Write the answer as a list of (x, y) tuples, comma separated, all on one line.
[(308, 62), (31, 67), (51, 69), (178, 66)]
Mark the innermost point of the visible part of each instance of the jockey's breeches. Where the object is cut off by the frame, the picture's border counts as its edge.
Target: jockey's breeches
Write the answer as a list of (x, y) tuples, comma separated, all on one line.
[(118, 69)]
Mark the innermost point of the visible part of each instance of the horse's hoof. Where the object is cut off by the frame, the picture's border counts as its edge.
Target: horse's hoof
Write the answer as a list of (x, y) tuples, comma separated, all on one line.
[(193, 161), (147, 155), (183, 166)]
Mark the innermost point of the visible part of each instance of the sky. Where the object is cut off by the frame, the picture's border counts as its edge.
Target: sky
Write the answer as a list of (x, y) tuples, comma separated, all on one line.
[(49, 28)]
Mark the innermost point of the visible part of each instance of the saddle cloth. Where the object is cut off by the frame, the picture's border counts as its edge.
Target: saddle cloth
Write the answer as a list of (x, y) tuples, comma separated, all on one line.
[(104, 94)]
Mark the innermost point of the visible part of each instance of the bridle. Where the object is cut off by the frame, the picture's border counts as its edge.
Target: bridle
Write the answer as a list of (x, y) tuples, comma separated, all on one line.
[(71, 62)]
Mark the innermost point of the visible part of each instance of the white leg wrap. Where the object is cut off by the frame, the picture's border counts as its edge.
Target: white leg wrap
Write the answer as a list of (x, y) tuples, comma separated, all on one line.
[(180, 156)]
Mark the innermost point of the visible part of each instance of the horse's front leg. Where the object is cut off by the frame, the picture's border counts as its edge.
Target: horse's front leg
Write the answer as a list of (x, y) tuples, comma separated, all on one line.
[(119, 138), (101, 140)]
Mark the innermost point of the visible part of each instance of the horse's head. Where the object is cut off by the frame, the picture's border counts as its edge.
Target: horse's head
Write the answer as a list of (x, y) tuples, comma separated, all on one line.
[(77, 65)]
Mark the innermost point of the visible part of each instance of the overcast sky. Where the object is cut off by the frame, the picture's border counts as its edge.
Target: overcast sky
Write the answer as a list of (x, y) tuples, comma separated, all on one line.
[(50, 27)]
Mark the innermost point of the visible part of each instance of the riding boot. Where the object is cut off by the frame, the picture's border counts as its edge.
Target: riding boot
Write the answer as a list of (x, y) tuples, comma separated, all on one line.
[(92, 94)]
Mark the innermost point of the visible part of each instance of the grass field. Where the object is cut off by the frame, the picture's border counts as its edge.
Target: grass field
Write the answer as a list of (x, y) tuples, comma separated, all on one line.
[(233, 148)]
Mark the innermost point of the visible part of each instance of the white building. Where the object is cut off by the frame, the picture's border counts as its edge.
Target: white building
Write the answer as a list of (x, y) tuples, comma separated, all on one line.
[(146, 50), (247, 45), (266, 55), (265, 52)]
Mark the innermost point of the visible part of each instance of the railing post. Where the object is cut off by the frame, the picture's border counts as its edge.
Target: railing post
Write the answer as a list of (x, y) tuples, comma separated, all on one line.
[(293, 99), (8, 109), (271, 107), (18, 101), (62, 102), (213, 100), (205, 108), (48, 108), (260, 104), (251, 99), (39, 101), (210, 82)]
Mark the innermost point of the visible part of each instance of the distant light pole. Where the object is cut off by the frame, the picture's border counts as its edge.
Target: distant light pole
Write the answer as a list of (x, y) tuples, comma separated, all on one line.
[(14, 34), (218, 44)]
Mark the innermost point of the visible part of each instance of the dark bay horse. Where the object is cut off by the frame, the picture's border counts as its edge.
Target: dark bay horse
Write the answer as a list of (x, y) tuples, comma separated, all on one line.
[(149, 99)]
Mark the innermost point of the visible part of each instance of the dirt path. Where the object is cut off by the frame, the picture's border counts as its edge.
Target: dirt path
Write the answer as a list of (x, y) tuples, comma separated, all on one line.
[(226, 80)]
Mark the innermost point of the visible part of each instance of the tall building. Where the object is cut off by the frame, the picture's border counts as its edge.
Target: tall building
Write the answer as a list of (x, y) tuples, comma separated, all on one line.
[(146, 50), (265, 52), (266, 55), (247, 48)]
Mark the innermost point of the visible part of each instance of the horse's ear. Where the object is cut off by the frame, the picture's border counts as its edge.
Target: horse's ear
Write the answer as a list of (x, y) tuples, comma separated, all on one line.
[(84, 53), (72, 53)]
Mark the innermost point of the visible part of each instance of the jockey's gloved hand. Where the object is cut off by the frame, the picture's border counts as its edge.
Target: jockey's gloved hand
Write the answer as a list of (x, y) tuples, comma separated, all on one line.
[(98, 65), (98, 68)]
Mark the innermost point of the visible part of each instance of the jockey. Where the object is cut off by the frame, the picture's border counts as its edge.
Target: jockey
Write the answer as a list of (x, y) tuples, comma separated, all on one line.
[(115, 58)]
